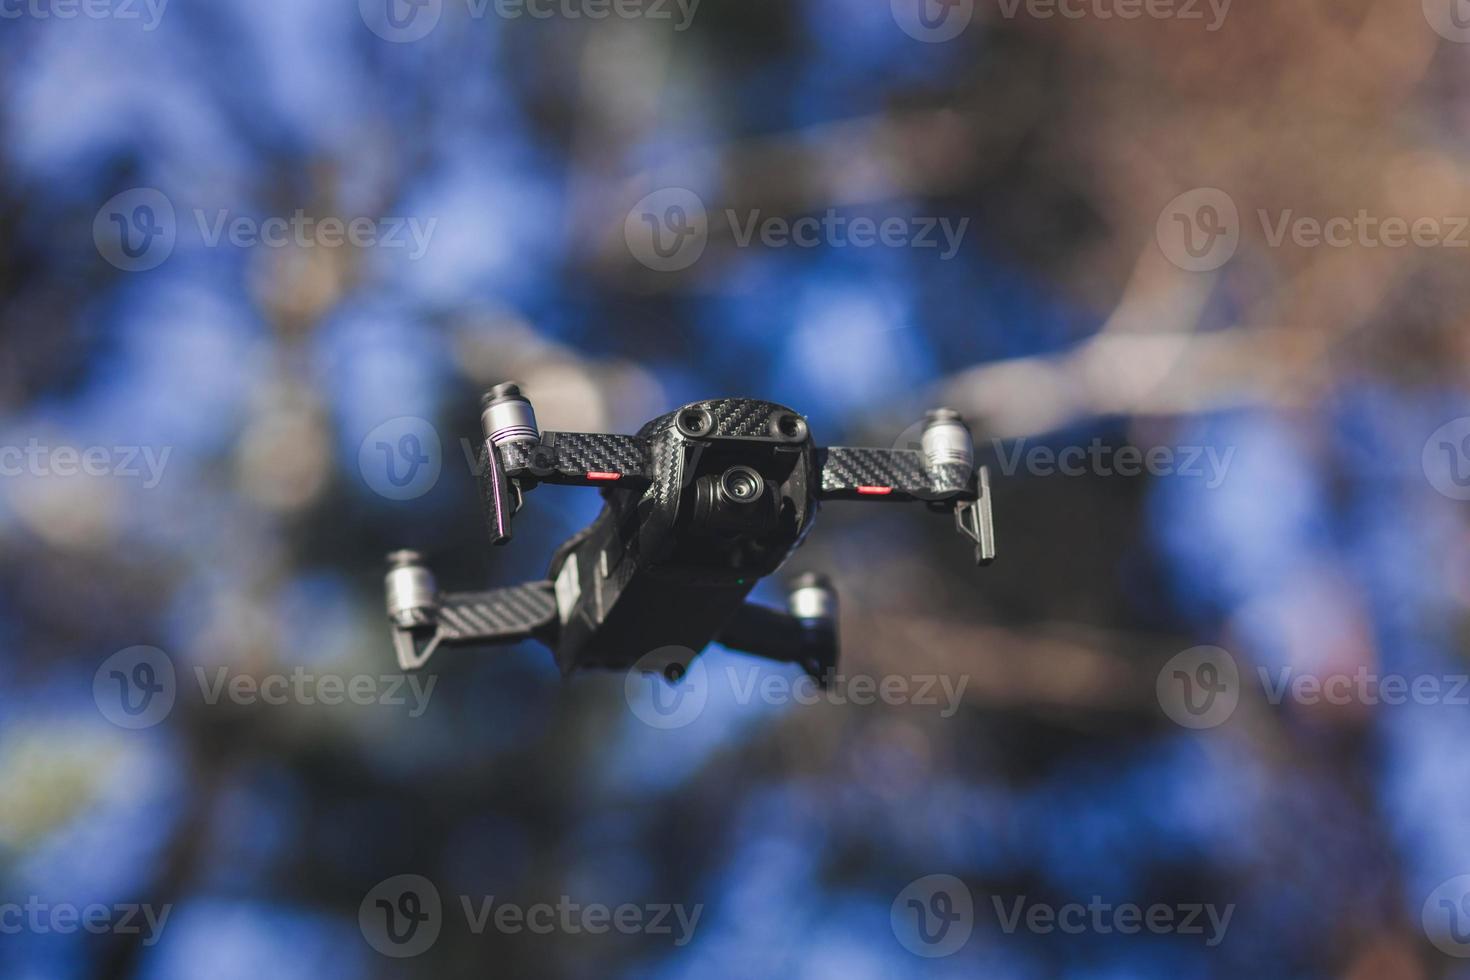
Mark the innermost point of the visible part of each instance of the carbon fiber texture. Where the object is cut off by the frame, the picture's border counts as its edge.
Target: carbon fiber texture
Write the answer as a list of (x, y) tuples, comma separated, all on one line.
[(733, 417), (905, 470), (499, 614), (847, 469), (571, 455), (653, 455)]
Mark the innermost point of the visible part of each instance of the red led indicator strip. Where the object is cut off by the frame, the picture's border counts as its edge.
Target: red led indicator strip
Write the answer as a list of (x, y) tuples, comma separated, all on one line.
[(604, 476), (875, 491)]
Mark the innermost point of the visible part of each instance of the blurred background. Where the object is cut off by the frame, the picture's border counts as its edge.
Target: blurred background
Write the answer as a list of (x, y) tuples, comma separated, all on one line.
[(198, 369)]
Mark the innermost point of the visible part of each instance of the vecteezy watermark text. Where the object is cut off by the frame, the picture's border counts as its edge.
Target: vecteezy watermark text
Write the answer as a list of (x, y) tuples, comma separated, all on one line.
[(934, 916), (1200, 230), (925, 690), (1099, 459), (1364, 686), (307, 688), (569, 917), (670, 687), (937, 21), (138, 229), (405, 21), (150, 12), (1104, 10), (38, 917), (308, 231), (138, 687), (668, 230), (1201, 687), (836, 230), (1104, 918), (36, 458), (1363, 230), (403, 916)]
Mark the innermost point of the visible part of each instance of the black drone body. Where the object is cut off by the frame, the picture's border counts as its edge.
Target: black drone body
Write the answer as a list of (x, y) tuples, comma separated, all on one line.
[(700, 505)]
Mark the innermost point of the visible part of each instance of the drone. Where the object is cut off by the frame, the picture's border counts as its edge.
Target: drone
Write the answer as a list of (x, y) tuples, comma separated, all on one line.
[(700, 505)]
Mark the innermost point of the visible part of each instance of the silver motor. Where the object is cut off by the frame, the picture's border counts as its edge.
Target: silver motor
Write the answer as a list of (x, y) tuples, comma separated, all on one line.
[(947, 441), (812, 598), (506, 416), (413, 595)]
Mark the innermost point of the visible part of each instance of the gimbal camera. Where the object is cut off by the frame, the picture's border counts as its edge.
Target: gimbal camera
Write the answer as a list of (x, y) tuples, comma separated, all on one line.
[(700, 505)]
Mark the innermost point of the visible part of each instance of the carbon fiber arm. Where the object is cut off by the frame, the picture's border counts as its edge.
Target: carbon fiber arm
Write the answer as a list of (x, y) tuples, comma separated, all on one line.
[(905, 474), (577, 459), (498, 616), (584, 459), (896, 474)]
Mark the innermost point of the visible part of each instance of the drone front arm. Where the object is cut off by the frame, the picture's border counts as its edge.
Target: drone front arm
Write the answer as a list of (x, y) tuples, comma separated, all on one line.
[(943, 473), (516, 456), (572, 459), (580, 459), (889, 474)]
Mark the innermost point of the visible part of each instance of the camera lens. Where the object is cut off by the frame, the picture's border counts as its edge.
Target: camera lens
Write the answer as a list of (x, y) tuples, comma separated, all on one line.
[(741, 485)]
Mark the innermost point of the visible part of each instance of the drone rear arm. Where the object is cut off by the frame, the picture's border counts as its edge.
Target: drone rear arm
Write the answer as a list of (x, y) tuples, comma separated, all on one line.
[(424, 618)]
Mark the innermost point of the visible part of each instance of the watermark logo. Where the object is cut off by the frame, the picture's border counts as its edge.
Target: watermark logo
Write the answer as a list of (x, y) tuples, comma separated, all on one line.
[(1446, 459), (402, 916), (1446, 917), (1199, 230), (933, 21), (150, 12), (667, 231), (933, 916), (136, 230), (668, 688), (1199, 688), (1449, 18), (135, 688), (401, 459), (401, 21)]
